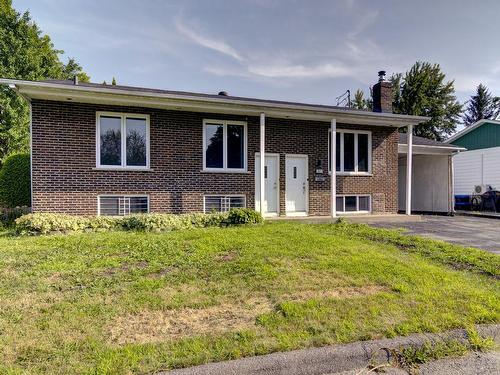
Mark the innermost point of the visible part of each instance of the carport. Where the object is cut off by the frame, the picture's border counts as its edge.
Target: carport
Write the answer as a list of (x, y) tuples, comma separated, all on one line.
[(432, 175)]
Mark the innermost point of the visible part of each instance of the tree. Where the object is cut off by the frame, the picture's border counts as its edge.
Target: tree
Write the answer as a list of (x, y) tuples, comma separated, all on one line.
[(480, 106), (25, 53), (113, 82), (423, 91), (360, 102)]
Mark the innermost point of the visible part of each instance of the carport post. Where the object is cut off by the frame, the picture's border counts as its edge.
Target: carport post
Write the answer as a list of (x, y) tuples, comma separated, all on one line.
[(333, 167), (409, 157), (262, 160)]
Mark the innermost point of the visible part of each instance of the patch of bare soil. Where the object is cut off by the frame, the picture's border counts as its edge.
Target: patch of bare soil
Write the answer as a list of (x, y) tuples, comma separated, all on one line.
[(150, 326), (341, 292), (154, 326)]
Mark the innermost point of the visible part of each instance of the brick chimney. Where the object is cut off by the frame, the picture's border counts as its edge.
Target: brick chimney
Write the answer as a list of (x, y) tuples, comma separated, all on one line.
[(382, 94)]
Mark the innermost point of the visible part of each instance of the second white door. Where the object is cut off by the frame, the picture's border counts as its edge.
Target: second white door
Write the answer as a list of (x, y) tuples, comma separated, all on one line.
[(271, 177), (296, 184)]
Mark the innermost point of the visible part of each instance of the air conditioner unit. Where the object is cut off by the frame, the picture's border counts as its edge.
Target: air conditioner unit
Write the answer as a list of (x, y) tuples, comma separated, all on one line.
[(481, 189)]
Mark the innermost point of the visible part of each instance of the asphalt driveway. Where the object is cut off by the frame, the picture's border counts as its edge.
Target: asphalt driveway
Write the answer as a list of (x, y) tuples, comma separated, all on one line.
[(470, 231)]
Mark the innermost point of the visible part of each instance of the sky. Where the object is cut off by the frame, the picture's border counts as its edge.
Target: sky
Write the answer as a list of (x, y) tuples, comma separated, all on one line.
[(309, 51)]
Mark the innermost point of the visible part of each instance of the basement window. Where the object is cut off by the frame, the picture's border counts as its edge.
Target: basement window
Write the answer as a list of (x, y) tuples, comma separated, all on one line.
[(122, 205), (222, 203), (353, 203)]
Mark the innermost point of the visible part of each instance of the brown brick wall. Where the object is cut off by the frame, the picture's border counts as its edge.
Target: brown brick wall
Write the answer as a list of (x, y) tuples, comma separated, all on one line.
[(65, 178)]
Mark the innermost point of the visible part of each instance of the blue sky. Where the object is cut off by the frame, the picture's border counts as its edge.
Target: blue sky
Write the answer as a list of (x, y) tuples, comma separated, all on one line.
[(310, 51)]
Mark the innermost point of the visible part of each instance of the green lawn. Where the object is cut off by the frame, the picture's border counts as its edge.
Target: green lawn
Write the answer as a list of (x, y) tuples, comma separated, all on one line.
[(125, 302)]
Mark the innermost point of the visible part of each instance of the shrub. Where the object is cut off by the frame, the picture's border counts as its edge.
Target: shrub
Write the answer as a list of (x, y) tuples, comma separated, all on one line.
[(239, 216), (44, 223), (15, 181), (9, 215), (157, 222)]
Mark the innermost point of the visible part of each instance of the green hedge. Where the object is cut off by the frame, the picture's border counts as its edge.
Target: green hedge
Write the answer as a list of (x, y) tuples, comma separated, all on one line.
[(44, 223), (15, 181)]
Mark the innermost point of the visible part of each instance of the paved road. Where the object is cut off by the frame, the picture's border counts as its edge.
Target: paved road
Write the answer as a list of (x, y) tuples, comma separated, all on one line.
[(478, 232), (471, 364), (352, 359)]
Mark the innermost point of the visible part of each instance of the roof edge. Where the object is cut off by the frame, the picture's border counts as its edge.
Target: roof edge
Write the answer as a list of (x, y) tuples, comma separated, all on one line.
[(395, 120)]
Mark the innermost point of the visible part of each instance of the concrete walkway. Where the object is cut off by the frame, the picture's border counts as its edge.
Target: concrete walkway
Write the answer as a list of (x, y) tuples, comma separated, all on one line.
[(479, 232), (341, 359)]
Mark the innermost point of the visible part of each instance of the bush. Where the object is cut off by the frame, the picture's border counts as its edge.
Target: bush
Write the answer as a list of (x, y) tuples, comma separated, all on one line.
[(239, 216), (9, 215), (15, 181), (44, 223)]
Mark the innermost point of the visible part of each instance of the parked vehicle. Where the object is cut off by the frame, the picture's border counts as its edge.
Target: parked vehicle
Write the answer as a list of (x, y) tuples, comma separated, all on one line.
[(484, 198)]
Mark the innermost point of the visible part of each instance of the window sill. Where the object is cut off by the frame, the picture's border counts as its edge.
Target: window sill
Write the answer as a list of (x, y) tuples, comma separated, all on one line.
[(224, 171), (353, 213), (365, 174), (122, 169)]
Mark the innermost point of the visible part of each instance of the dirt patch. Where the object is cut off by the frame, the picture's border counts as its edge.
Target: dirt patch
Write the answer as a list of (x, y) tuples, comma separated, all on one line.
[(150, 326), (229, 256), (162, 272), (125, 267), (154, 326), (342, 292)]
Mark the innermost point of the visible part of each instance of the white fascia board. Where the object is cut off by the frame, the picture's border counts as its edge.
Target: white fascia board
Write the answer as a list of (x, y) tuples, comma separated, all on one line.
[(112, 96)]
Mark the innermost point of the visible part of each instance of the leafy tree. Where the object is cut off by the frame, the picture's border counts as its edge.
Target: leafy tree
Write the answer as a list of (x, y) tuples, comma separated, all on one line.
[(15, 181), (480, 106), (360, 102), (113, 82), (25, 53), (423, 91)]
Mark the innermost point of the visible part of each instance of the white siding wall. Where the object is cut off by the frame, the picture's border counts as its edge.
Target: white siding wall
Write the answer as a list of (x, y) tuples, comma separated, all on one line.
[(430, 183), (476, 167)]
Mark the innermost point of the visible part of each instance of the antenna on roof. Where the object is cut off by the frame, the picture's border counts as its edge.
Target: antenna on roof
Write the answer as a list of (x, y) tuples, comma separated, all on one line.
[(344, 99)]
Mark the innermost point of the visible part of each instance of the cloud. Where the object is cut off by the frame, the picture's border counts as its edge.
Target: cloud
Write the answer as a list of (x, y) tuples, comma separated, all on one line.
[(299, 71), (204, 41), (363, 22)]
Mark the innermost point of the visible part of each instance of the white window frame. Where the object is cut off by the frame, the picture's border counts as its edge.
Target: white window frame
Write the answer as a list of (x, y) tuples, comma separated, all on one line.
[(357, 204), (224, 168), (119, 196), (224, 196), (123, 129), (341, 133)]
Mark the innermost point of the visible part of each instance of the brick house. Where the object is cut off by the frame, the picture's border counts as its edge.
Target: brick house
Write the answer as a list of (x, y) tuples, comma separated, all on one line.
[(114, 150)]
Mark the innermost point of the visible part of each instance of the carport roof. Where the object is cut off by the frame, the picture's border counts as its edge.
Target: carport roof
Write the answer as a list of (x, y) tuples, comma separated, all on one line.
[(423, 145)]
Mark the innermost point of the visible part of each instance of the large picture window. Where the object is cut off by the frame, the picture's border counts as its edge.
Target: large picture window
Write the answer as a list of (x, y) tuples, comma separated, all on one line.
[(353, 152), (122, 141), (224, 146)]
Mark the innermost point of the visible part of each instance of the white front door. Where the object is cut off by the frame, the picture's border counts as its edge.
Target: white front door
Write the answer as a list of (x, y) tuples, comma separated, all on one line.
[(271, 177), (296, 184)]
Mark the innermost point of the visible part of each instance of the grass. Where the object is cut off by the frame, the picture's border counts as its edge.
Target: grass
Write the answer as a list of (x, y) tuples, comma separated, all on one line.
[(119, 303), (410, 358)]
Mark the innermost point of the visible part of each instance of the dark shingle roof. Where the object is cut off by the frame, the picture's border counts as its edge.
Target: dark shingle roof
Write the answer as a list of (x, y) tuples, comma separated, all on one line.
[(421, 141), (196, 94)]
